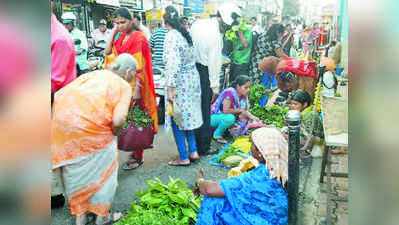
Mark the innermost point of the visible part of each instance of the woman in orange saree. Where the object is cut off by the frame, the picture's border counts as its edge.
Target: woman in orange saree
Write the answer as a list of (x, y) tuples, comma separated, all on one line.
[(87, 114), (129, 39)]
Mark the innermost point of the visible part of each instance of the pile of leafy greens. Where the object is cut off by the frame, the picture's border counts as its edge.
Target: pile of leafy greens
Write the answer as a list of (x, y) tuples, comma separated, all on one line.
[(232, 151), (172, 204), (141, 118), (257, 92), (270, 115)]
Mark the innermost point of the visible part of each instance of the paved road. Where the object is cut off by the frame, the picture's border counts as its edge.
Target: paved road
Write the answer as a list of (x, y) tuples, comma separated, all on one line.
[(155, 165)]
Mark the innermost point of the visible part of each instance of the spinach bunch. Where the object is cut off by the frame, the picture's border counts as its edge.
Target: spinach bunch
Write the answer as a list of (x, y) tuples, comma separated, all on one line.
[(172, 204), (232, 151), (257, 92), (142, 216), (270, 114), (141, 118)]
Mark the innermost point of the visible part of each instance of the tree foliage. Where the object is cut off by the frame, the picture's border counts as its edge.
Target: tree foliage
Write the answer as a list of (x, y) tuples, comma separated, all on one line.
[(290, 8)]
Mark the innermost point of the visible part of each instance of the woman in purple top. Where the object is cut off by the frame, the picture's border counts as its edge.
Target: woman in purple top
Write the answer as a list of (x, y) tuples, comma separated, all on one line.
[(230, 110)]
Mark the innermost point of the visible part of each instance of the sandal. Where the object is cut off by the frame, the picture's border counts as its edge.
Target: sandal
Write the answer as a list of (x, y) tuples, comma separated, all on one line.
[(220, 140), (193, 159), (111, 218), (129, 165), (178, 162)]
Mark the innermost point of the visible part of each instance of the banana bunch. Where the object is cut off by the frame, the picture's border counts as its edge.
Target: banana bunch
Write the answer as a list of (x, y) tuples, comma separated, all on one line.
[(244, 166), (316, 100)]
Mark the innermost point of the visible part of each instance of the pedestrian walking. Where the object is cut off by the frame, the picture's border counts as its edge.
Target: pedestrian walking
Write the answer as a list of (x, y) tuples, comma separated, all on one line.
[(128, 39), (138, 22), (80, 40), (183, 87), (241, 52), (207, 40), (288, 40), (63, 71), (87, 114), (101, 33), (157, 49), (268, 44)]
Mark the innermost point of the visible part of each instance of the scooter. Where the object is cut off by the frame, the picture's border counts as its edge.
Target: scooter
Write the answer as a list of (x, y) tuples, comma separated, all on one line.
[(159, 83)]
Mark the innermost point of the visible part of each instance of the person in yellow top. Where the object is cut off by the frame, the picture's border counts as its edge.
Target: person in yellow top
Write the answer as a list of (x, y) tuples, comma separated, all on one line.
[(87, 114)]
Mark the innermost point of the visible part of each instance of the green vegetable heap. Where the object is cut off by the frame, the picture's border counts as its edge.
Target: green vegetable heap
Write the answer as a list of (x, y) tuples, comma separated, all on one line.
[(141, 118), (230, 151), (270, 114), (171, 204), (257, 92)]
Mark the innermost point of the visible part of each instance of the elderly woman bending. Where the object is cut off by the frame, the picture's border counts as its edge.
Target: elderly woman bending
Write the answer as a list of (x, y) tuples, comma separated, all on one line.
[(87, 114), (255, 197)]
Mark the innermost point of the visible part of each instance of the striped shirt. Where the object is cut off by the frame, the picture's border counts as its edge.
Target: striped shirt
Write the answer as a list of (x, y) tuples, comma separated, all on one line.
[(156, 43)]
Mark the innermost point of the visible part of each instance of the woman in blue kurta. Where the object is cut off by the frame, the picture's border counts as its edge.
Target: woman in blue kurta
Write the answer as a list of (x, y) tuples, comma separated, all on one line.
[(255, 197)]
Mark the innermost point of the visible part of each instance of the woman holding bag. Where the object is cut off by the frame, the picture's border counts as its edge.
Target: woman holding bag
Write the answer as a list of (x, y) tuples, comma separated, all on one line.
[(87, 114), (128, 38), (183, 87)]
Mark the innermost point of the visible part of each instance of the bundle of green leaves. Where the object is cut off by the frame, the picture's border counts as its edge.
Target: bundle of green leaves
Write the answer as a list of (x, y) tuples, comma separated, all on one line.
[(270, 114), (141, 118), (257, 92), (172, 204), (232, 35), (230, 151)]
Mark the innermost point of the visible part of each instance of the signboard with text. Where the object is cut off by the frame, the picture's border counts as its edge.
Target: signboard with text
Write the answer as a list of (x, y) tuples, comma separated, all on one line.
[(197, 6), (109, 2)]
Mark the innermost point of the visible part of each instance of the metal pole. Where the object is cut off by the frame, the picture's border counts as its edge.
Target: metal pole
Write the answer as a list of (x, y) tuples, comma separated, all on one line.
[(293, 119)]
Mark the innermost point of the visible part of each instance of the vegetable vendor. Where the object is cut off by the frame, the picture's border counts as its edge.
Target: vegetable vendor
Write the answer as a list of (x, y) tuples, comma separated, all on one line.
[(230, 110), (292, 74), (311, 125), (255, 197)]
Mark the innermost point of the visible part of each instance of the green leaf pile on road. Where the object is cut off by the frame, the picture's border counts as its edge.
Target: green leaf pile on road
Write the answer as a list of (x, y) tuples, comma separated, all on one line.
[(229, 157), (171, 204), (270, 114), (141, 118), (257, 92)]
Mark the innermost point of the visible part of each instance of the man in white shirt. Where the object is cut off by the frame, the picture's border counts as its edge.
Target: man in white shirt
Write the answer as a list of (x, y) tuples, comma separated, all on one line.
[(254, 26), (207, 40), (101, 33), (144, 29)]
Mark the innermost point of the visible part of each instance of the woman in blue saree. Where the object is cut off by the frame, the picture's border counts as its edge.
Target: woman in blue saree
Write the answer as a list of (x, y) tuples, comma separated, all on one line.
[(255, 197)]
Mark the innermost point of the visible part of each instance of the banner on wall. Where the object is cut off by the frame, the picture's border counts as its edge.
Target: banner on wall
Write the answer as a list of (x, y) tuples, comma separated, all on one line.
[(109, 2), (197, 6)]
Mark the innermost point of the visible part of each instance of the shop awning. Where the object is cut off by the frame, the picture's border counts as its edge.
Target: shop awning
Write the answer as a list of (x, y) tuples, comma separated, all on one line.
[(109, 2)]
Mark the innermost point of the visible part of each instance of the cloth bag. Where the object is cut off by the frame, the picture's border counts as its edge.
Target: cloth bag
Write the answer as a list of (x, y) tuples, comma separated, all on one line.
[(136, 138), (177, 115)]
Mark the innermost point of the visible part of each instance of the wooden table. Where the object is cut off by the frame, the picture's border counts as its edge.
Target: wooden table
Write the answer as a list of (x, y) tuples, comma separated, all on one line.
[(335, 124)]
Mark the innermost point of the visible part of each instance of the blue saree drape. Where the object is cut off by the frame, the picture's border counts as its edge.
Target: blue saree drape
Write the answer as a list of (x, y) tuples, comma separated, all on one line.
[(250, 199)]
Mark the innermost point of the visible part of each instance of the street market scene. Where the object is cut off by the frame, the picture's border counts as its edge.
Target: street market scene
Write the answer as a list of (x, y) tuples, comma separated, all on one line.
[(199, 112)]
